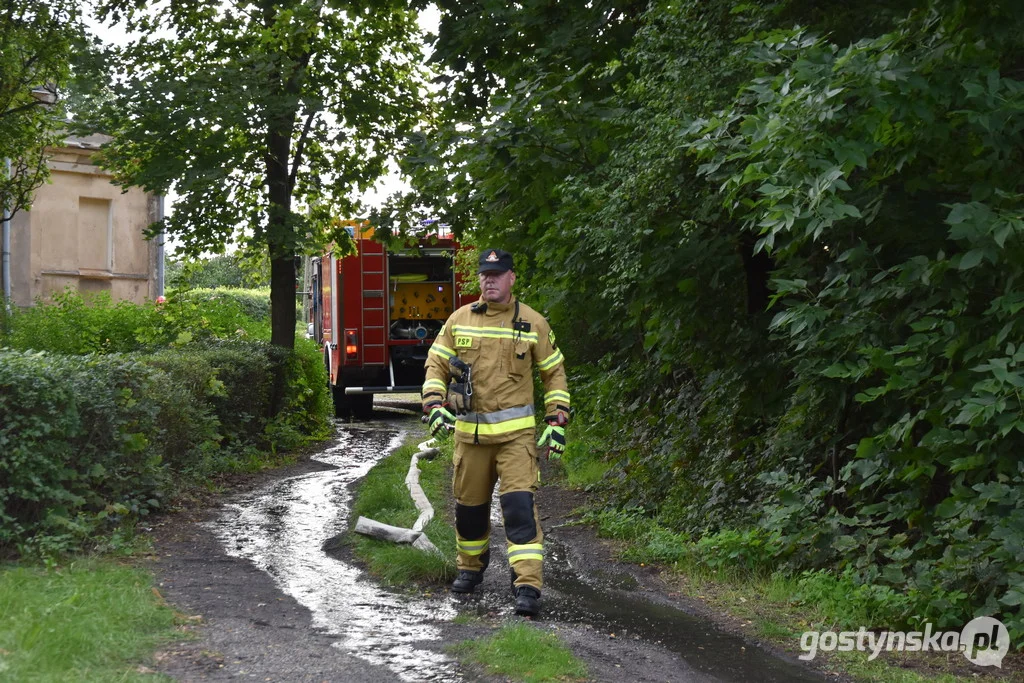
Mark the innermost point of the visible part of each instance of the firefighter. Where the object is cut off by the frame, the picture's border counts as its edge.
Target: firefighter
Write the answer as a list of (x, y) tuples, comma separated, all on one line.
[(491, 348)]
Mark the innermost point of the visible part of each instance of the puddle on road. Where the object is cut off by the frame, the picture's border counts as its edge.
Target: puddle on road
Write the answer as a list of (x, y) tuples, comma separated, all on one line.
[(594, 601), (282, 528)]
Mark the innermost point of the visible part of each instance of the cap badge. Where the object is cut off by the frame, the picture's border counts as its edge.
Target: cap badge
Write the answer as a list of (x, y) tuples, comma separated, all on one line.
[(492, 257)]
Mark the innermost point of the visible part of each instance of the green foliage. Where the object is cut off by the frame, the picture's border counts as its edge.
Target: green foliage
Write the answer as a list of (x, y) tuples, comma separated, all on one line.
[(71, 324), (76, 325), (183, 319), (38, 41), (880, 190), (90, 441), (583, 462), (306, 406), (852, 602), (311, 99), (87, 621), (224, 270), (784, 265), (752, 551), (77, 446), (253, 303)]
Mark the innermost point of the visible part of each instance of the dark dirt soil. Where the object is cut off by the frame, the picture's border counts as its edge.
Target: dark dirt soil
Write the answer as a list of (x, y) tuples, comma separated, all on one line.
[(241, 626)]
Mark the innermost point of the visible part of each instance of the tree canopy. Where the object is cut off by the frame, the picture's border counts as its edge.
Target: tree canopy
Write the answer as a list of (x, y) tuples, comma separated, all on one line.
[(784, 243), (265, 118), (39, 40)]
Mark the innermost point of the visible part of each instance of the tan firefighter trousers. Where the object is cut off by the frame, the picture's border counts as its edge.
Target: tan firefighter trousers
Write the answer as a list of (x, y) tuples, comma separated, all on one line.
[(477, 468)]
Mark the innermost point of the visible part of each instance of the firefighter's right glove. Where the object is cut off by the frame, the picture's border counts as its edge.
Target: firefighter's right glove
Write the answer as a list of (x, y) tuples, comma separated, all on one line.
[(437, 417), (554, 436)]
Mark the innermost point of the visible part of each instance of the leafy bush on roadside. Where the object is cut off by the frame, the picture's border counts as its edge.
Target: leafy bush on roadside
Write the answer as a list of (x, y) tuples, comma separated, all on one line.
[(86, 440), (71, 324), (74, 324), (813, 322), (307, 404), (855, 603), (77, 445), (254, 303)]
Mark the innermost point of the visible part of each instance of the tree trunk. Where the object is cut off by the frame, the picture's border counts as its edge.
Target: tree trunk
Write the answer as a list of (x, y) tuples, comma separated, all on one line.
[(282, 301), (280, 242)]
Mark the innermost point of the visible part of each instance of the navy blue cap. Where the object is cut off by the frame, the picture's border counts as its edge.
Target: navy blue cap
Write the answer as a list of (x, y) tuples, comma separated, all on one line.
[(495, 261)]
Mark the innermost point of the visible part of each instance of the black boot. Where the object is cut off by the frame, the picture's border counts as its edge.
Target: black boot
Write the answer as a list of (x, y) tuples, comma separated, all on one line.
[(527, 601), (466, 581)]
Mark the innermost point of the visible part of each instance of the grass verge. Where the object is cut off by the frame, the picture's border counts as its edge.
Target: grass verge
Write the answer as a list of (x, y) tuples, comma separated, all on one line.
[(90, 620), (770, 607), (731, 572), (524, 653), (383, 496), (519, 651)]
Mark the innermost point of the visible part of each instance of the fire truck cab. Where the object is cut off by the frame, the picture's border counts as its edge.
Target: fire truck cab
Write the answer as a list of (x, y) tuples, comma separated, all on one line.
[(376, 312)]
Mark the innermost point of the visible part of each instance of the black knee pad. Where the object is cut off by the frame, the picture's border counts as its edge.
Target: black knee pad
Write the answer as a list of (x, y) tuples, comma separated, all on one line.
[(517, 509), (471, 520)]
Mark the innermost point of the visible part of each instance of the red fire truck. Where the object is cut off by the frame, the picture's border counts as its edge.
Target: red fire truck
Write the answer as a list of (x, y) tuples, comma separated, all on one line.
[(376, 312)]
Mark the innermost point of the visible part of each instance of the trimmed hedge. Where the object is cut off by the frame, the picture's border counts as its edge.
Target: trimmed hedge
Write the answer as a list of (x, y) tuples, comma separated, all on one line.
[(88, 440), (74, 324), (254, 303), (78, 439)]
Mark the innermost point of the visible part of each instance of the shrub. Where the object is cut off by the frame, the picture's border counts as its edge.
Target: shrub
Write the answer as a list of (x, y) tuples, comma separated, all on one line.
[(307, 404), (77, 444), (254, 303), (182, 320), (77, 325), (91, 439)]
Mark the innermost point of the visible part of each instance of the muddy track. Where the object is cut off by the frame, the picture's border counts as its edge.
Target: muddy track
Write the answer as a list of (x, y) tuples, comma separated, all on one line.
[(622, 620)]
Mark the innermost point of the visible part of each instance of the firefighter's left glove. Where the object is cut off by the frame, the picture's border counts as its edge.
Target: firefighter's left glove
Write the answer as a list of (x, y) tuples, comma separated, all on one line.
[(554, 436), (437, 417)]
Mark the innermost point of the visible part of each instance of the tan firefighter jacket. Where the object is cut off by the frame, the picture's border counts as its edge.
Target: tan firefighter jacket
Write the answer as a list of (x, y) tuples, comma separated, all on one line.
[(502, 343)]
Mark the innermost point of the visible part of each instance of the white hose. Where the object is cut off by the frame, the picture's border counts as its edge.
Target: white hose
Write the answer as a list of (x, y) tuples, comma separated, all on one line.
[(415, 536)]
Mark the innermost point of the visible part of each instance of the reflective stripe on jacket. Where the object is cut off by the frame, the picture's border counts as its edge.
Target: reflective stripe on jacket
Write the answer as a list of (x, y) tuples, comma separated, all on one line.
[(502, 353)]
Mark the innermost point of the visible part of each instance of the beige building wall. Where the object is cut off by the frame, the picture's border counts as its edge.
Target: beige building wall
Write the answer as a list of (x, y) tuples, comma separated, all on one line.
[(84, 233)]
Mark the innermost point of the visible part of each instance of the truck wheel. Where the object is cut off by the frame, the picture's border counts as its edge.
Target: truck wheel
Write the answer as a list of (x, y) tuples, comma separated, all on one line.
[(362, 405), (341, 403)]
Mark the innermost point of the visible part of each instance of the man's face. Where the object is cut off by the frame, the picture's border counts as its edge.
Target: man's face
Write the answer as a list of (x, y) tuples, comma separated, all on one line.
[(497, 287)]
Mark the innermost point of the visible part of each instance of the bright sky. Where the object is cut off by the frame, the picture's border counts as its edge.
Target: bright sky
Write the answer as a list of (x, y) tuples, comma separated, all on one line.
[(429, 21)]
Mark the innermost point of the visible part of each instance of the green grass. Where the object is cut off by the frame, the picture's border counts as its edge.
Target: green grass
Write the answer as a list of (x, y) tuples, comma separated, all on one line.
[(383, 497), (736, 572), (772, 606), (582, 465), (92, 620), (775, 605), (523, 653)]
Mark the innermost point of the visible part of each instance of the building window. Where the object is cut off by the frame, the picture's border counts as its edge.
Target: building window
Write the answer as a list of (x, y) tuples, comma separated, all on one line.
[(94, 234)]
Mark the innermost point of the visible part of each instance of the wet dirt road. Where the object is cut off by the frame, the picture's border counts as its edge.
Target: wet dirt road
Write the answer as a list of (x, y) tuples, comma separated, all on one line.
[(282, 528), (623, 630)]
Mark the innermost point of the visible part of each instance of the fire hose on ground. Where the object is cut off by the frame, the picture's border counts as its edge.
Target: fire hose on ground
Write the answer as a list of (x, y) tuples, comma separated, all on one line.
[(414, 536)]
